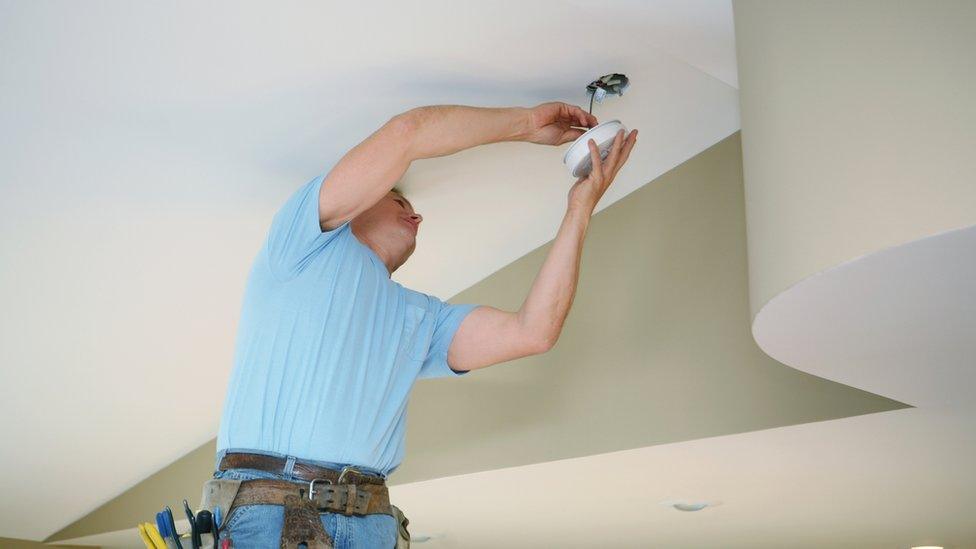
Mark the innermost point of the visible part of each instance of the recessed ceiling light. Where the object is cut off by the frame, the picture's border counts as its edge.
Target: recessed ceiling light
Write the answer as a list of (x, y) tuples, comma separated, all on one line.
[(696, 506), (689, 505)]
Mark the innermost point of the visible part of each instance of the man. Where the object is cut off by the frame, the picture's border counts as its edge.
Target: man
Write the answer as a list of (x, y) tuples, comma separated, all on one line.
[(329, 347)]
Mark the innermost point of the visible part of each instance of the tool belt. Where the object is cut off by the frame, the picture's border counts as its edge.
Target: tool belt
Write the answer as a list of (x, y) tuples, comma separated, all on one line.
[(349, 492), (348, 499), (301, 471)]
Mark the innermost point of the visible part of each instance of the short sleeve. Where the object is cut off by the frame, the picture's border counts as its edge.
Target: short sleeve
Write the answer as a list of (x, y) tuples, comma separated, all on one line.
[(448, 320), (296, 234)]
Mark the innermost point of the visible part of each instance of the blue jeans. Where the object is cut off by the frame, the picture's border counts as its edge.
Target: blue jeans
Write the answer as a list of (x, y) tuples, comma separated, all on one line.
[(259, 526)]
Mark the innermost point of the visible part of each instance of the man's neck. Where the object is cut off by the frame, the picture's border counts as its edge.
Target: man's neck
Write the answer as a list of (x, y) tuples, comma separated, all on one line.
[(386, 256)]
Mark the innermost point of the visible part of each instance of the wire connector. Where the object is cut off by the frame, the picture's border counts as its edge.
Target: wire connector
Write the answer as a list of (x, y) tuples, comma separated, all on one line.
[(608, 84)]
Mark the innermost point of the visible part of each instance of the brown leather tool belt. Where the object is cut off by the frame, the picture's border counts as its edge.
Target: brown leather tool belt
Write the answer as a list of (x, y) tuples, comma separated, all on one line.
[(348, 499), (302, 471), (348, 491)]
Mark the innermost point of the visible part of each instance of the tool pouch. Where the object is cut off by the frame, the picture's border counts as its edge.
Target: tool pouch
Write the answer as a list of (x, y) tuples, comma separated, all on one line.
[(218, 493), (303, 526), (403, 535)]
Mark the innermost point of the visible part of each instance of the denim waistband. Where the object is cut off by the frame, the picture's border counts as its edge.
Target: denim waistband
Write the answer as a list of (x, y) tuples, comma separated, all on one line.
[(292, 460)]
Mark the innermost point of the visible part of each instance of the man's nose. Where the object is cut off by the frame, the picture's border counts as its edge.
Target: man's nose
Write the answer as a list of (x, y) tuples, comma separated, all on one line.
[(417, 218)]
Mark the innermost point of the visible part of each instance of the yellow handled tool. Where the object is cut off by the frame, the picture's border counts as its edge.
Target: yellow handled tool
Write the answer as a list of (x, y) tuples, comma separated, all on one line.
[(150, 536), (145, 537)]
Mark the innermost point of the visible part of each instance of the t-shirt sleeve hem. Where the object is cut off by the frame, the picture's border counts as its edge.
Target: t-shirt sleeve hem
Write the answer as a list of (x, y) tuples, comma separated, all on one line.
[(438, 365)]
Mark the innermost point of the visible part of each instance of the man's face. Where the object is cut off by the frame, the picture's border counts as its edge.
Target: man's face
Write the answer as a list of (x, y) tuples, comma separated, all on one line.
[(392, 223), (405, 214)]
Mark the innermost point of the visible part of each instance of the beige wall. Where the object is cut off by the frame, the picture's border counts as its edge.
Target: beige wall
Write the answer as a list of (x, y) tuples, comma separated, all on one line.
[(184, 478), (858, 129)]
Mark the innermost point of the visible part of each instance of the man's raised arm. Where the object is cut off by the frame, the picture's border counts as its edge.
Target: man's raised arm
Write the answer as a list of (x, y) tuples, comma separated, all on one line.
[(488, 335), (370, 169)]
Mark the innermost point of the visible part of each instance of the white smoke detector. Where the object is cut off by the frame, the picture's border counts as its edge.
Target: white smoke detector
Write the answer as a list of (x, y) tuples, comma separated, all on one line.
[(577, 158)]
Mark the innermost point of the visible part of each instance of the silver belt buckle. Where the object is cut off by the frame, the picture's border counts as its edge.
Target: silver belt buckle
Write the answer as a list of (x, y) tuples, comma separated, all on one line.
[(311, 486), (347, 469)]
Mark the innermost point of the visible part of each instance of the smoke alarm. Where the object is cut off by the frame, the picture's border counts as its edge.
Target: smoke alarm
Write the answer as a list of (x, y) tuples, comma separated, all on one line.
[(577, 159)]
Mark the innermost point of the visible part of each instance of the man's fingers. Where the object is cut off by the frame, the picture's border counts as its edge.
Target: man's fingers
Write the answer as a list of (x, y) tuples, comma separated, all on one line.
[(622, 156), (615, 151), (581, 116), (619, 153), (588, 119), (577, 114), (625, 152), (571, 115), (595, 159), (570, 135)]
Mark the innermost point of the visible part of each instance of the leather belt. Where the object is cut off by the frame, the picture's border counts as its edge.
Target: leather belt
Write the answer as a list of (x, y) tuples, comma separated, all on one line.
[(301, 471), (348, 499)]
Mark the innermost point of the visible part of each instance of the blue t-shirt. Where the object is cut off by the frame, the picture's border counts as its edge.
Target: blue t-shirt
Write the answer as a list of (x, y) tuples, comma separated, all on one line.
[(328, 347)]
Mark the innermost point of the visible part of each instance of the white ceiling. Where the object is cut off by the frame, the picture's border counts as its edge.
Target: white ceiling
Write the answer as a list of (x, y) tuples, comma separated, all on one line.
[(144, 148)]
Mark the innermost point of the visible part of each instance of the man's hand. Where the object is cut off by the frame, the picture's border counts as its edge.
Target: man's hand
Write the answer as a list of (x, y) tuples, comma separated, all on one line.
[(587, 191), (549, 123)]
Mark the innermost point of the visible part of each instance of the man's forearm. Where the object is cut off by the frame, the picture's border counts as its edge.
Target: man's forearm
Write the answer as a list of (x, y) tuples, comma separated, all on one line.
[(440, 130), (551, 296)]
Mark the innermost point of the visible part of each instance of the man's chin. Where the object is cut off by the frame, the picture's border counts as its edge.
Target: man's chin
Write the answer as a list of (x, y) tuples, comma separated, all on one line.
[(409, 243)]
